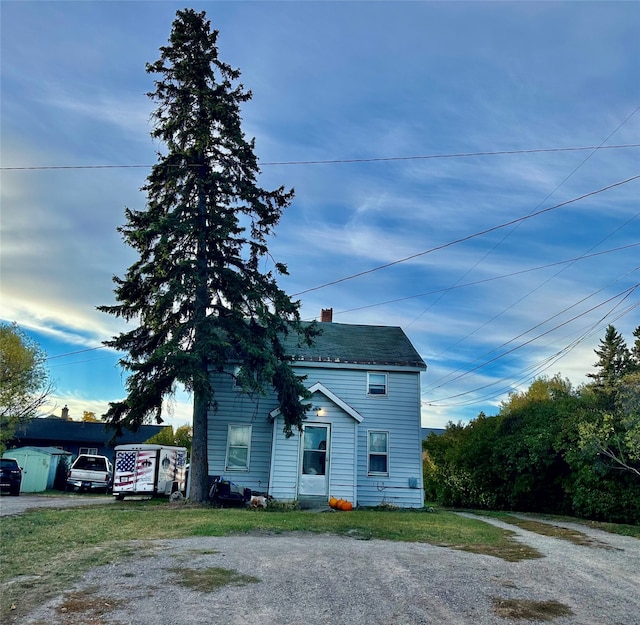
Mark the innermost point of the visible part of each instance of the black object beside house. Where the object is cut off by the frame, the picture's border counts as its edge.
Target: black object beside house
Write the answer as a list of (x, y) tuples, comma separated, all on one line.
[(78, 437)]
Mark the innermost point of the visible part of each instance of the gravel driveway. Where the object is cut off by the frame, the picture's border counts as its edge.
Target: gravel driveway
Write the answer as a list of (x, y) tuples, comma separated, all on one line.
[(16, 505), (317, 579)]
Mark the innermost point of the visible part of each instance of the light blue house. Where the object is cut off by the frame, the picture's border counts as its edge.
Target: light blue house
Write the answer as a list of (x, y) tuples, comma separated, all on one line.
[(361, 439)]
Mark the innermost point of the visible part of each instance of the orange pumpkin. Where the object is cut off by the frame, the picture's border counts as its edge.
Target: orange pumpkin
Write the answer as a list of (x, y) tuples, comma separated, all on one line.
[(346, 506), (339, 504), (332, 502)]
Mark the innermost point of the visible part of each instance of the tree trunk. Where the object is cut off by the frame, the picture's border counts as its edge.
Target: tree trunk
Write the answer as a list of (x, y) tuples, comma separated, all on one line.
[(201, 398), (199, 489)]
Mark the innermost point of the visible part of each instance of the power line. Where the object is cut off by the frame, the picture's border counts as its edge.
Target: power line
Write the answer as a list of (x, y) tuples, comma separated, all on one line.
[(535, 369), (523, 297), (80, 351), (507, 234), (467, 238), (626, 293), (484, 280), (447, 378), (339, 161)]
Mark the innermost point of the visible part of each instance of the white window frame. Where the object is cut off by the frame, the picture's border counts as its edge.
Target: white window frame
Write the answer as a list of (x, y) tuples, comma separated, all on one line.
[(87, 451), (371, 384), (230, 427), (377, 453)]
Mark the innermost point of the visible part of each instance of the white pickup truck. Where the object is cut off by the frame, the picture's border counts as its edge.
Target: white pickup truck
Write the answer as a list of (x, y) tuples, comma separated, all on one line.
[(89, 472)]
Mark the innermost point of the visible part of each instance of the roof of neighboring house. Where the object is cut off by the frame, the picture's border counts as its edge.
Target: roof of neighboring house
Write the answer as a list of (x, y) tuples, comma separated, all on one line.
[(54, 428), (357, 344), (427, 431)]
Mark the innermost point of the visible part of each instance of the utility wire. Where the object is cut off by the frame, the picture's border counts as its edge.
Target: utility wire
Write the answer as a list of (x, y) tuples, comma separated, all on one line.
[(447, 379), (535, 369), (522, 298), (626, 293), (484, 280), (467, 238), (80, 351), (507, 234), (344, 160)]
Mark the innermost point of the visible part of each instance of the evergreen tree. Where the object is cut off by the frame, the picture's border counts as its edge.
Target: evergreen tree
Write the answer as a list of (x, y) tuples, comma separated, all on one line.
[(614, 361), (197, 291), (635, 351)]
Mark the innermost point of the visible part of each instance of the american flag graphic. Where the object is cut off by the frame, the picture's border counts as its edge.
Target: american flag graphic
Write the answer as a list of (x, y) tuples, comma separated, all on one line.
[(134, 467)]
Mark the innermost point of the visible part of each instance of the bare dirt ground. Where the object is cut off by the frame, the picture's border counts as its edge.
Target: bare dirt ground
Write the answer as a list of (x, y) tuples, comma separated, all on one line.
[(317, 579)]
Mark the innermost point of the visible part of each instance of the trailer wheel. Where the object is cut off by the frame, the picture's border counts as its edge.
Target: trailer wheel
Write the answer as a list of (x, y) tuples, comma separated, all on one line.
[(119, 496)]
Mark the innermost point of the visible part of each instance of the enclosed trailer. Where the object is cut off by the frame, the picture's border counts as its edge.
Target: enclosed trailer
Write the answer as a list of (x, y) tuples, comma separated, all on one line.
[(149, 470)]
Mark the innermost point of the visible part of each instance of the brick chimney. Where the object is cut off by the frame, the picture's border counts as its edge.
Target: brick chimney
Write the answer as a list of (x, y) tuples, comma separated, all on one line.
[(65, 413), (326, 315)]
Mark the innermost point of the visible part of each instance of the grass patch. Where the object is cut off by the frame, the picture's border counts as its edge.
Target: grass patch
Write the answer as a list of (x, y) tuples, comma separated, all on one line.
[(210, 579), (547, 529), (525, 609), (511, 551), (621, 529)]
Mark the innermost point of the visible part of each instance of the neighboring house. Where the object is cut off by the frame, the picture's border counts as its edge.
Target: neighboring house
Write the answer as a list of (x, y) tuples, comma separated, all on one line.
[(362, 437), (427, 431), (77, 437)]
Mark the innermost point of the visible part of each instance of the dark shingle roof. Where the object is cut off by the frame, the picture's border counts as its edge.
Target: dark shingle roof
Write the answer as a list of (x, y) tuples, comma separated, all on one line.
[(357, 344), (53, 428)]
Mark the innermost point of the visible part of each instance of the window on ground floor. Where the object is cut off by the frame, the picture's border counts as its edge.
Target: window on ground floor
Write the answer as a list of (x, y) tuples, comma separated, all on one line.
[(378, 452), (238, 448)]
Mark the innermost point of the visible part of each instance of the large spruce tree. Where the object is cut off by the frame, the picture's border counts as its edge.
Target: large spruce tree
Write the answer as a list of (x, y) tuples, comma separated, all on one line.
[(198, 294), (614, 362)]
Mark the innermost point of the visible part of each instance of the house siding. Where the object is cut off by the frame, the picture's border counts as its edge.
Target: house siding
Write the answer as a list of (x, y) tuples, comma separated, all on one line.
[(274, 464), (238, 408), (398, 412), (340, 468)]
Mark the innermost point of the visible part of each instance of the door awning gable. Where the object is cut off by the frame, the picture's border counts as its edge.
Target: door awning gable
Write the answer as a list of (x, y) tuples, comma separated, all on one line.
[(318, 387)]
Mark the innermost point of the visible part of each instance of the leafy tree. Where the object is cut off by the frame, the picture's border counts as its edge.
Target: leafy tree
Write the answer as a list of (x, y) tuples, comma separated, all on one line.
[(615, 434), (198, 292), (24, 381), (89, 417), (541, 389), (182, 437)]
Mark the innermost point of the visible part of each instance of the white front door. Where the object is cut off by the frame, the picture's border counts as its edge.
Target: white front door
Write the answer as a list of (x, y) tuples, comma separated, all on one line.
[(314, 472)]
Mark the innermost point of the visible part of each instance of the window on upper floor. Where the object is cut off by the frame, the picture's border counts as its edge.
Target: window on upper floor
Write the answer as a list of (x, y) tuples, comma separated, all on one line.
[(376, 383), (88, 451), (377, 452), (237, 385), (238, 448)]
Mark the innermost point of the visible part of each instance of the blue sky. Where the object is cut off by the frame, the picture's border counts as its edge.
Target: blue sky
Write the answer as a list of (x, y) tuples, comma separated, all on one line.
[(489, 96)]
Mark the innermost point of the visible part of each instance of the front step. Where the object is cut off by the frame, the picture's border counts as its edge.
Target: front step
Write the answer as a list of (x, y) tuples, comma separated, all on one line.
[(308, 502)]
